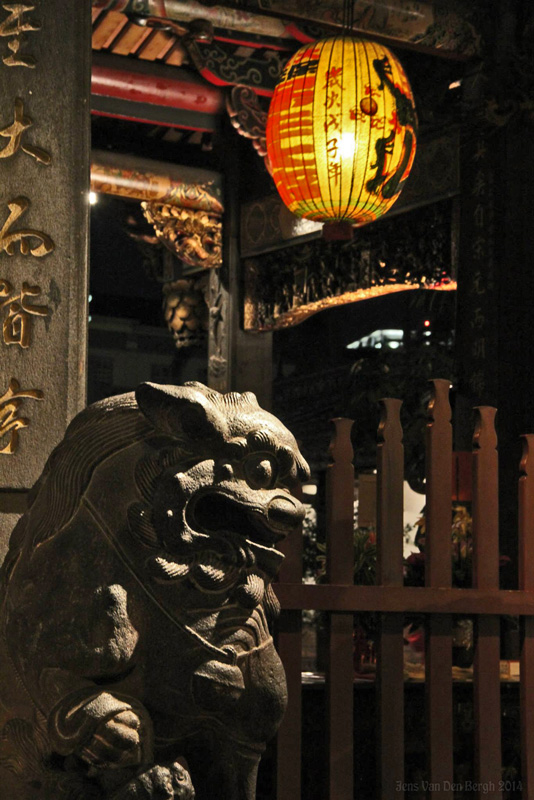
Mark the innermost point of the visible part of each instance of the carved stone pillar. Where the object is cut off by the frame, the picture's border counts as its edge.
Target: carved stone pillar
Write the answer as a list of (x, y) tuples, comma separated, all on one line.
[(495, 336), (45, 63)]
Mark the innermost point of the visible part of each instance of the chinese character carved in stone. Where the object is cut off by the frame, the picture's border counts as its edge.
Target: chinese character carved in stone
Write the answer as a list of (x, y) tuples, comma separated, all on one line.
[(14, 133), (30, 241), (10, 422), (14, 27), (136, 658), (17, 323)]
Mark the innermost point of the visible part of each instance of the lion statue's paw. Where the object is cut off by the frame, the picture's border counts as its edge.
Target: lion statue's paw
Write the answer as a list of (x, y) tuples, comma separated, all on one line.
[(171, 782)]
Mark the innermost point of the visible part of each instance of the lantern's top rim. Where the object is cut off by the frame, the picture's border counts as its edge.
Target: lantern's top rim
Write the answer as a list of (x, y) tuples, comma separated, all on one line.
[(354, 38)]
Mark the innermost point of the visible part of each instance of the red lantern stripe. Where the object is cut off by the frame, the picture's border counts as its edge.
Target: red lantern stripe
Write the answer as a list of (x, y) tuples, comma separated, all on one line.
[(294, 107), (286, 104), (313, 195)]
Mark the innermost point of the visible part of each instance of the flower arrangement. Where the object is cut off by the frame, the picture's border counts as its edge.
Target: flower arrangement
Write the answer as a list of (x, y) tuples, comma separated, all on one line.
[(364, 557), (462, 551), (365, 553)]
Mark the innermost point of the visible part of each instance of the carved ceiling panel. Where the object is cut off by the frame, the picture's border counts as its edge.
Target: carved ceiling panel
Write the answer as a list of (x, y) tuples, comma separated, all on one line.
[(284, 287)]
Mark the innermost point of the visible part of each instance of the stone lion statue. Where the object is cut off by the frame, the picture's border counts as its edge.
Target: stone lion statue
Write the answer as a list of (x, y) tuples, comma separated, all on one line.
[(135, 602)]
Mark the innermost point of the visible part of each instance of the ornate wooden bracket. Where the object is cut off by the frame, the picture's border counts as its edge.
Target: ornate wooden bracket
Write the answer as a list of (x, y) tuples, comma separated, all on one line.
[(248, 117), (193, 236), (219, 64), (218, 61)]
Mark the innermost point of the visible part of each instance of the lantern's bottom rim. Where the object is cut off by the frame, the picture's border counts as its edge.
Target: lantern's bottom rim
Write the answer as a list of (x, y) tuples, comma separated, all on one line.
[(357, 220), (338, 230)]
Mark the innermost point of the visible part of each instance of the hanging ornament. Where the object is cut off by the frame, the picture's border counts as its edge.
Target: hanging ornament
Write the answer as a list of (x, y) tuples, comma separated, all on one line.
[(341, 131)]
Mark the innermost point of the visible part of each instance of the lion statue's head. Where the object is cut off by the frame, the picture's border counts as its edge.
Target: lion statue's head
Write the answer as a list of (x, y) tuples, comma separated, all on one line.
[(209, 496)]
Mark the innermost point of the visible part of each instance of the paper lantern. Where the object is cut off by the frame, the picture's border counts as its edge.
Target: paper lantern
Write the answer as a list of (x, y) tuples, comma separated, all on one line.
[(341, 131)]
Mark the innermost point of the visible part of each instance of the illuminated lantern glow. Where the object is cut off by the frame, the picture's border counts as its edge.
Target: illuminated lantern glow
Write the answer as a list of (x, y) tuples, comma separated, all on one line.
[(341, 131)]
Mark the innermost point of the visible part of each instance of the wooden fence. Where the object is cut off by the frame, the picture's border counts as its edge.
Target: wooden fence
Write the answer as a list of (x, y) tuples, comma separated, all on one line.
[(438, 600)]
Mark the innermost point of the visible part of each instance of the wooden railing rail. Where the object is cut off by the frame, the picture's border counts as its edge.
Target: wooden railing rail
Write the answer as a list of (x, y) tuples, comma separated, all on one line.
[(409, 599)]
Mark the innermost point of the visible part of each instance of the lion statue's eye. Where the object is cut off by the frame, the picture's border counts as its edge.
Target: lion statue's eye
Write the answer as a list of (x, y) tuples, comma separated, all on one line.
[(261, 470)]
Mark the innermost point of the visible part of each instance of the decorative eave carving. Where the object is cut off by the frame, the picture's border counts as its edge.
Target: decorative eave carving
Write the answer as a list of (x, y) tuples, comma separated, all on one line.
[(183, 204), (195, 237), (500, 88)]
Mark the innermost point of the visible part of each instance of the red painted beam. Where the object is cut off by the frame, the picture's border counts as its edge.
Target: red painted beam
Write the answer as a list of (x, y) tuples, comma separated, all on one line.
[(157, 86)]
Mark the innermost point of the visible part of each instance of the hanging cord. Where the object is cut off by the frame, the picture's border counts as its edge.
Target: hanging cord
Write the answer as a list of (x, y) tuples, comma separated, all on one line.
[(348, 17)]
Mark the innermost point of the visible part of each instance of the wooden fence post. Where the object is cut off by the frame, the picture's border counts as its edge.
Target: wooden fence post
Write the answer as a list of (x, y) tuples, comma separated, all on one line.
[(526, 583), (390, 667), (486, 674), (289, 645), (438, 548), (340, 570)]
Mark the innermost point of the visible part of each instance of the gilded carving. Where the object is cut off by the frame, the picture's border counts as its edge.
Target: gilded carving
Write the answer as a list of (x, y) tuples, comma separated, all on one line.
[(194, 236), (17, 325), (14, 133), (136, 602), (10, 422), (24, 236), (13, 27)]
